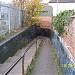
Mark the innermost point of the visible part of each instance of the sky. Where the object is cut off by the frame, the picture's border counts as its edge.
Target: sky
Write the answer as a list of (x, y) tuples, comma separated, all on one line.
[(8, 1)]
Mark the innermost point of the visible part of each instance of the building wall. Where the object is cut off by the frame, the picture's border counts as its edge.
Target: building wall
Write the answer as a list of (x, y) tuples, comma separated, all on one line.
[(15, 18), (45, 22), (46, 17), (62, 7), (4, 19), (10, 18), (69, 38), (48, 11)]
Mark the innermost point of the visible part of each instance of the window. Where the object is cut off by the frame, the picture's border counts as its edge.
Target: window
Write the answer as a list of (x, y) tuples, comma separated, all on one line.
[(2, 16)]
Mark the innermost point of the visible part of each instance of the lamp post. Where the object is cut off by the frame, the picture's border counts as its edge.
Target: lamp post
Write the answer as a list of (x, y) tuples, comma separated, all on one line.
[(57, 6)]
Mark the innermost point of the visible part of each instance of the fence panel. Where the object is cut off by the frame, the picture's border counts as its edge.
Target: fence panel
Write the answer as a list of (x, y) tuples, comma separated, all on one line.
[(10, 18)]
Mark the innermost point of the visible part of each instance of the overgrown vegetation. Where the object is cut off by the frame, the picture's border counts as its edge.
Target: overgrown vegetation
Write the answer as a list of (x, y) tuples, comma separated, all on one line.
[(61, 20), (7, 35), (33, 11), (56, 60), (30, 10)]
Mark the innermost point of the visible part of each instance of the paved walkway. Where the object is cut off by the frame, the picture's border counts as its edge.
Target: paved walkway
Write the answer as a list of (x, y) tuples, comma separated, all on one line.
[(45, 64)]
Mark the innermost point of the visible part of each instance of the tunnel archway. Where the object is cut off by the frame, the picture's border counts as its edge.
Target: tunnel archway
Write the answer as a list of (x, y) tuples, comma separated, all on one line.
[(44, 32)]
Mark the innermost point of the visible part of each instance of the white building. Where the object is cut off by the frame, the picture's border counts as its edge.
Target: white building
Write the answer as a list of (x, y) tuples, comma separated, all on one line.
[(4, 20), (10, 18), (61, 5)]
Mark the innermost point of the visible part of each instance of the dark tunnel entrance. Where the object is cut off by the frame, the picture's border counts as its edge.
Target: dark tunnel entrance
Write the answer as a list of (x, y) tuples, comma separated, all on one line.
[(44, 32)]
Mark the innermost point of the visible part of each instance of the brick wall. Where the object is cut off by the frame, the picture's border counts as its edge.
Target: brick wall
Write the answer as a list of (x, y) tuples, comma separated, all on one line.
[(45, 22), (65, 48), (70, 37)]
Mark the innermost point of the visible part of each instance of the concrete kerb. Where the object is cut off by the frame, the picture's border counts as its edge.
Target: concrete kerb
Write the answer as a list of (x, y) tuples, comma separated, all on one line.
[(33, 59)]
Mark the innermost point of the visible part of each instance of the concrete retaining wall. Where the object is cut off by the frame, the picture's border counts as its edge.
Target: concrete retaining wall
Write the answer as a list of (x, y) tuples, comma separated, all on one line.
[(10, 46)]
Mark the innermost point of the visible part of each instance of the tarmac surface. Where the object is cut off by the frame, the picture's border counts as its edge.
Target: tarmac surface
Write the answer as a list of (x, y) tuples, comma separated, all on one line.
[(45, 64)]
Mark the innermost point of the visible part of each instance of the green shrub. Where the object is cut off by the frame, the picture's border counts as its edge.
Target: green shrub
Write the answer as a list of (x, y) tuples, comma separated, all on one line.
[(61, 20)]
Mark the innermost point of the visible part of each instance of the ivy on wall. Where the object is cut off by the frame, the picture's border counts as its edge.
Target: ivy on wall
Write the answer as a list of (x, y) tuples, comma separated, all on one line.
[(61, 20)]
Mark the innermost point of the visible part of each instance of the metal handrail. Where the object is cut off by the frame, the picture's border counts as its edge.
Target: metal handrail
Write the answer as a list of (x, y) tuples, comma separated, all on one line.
[(21, 57)]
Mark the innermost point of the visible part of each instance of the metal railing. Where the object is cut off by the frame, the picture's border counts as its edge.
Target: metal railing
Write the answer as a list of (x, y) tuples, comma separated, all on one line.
[(17, 61)]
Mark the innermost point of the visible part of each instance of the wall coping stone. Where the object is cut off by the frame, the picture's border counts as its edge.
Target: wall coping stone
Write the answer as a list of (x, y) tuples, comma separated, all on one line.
[(12, 36)]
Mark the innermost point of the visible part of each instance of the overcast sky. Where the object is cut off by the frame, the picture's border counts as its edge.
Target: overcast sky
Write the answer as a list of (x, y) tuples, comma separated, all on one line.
[(8, 1)]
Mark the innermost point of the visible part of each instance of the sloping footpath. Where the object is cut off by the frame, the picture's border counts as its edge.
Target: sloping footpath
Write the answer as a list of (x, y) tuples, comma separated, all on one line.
[(45, 64)]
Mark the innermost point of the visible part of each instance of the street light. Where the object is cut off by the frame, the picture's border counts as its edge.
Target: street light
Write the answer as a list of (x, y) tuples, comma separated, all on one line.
[(57, 6)]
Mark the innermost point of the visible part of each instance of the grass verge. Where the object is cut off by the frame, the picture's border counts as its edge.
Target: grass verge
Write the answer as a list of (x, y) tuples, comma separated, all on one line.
[(56, 60)]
